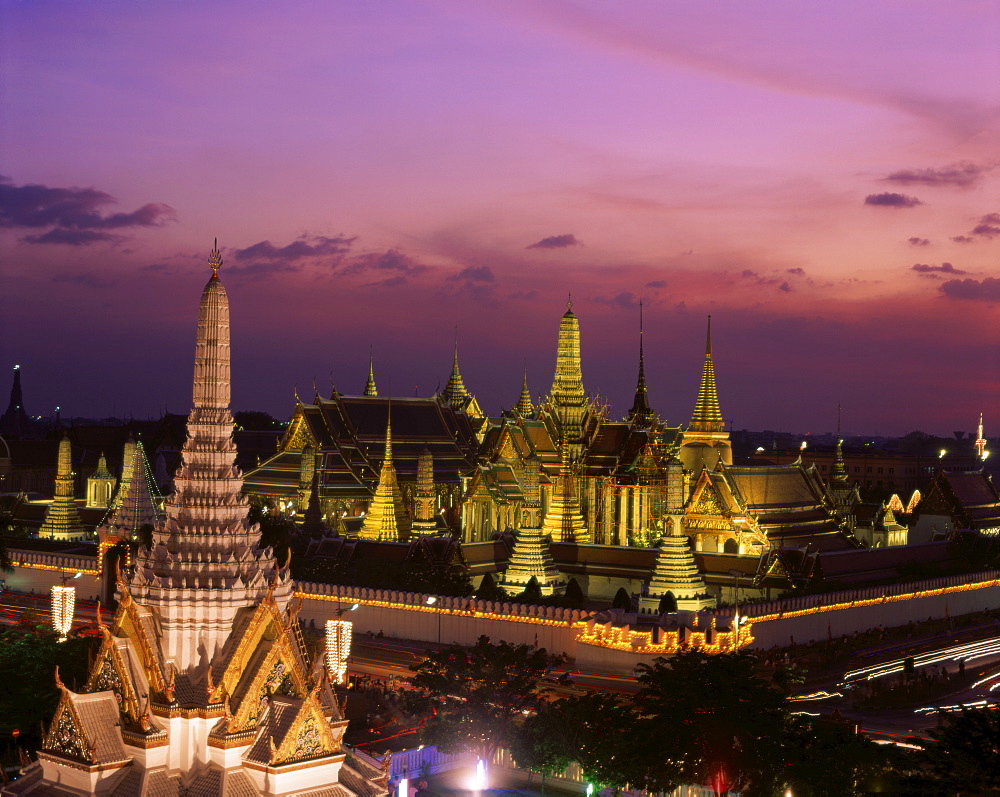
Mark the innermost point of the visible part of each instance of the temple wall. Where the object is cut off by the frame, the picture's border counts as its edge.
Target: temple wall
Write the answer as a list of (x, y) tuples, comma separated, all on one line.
[(814, 618), (39, 572), (406, 615)]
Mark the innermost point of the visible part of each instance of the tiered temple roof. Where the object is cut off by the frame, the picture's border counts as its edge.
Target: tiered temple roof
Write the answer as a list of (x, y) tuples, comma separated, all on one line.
[(348, 435)]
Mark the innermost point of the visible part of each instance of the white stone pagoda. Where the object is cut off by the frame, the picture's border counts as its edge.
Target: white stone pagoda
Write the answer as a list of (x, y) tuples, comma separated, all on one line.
[(203, 684)]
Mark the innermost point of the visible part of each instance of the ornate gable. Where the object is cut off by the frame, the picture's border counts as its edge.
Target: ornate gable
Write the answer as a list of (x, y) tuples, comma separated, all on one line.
[(310, 734), (66, 735), (299, 435), (267, 661), (110, 674), (707, 504)]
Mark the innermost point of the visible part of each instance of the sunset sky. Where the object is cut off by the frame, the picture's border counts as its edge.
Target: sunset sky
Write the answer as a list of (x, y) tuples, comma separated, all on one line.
[(823, 179)]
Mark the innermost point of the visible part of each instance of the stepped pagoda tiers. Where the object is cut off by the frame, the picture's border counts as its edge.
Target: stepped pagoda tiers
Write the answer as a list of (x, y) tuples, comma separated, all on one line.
[(705, 442), (386, 518), (136, 504), (524, 408), (568, 407), (424, 504), (370, 389), (457, 396), (530, 557), (62, 519), (564, 519), (676, 577), (203, 683)]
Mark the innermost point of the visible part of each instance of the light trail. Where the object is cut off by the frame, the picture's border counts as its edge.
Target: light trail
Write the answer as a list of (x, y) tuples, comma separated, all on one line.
[(965, 652), (814, 696), (952, 708)]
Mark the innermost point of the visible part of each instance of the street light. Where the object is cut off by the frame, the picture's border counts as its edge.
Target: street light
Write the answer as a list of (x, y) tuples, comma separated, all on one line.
[(431, 600), (736, 601)]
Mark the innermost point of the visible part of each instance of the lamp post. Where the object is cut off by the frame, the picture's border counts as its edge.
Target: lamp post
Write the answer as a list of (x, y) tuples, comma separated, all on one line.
[(736, 601), (431, 600)]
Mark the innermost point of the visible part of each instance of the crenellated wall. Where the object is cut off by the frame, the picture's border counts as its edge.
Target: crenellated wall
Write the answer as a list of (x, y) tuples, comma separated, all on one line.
[(39, 571)]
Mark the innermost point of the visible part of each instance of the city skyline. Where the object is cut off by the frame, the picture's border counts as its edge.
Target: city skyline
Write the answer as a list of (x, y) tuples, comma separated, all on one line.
[(823, 182)]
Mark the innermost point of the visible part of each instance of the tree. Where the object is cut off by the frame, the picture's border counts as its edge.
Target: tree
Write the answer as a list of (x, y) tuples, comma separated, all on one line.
[(476, 696), (593, 730), (964, 755), (574, 595), (27, 668), (668, 603), (622, 600), (709, 713), (829, 758), (532, 592), (488, 589)]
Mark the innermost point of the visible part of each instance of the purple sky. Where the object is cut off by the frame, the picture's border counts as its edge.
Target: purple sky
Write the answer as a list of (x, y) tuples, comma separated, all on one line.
[(823, 179)]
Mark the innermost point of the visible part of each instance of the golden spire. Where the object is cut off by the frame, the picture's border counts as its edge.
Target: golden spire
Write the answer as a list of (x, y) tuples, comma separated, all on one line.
[(524, 406), (707, 414), (215, 259), (455, 392), (370, 389), (386, 518)]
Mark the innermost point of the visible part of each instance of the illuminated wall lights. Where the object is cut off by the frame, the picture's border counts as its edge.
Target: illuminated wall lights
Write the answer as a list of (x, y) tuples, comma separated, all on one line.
[(63, 606), (338, 648)]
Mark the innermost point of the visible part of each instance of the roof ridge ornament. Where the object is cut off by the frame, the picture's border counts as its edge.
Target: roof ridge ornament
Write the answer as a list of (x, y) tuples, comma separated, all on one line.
[(215, 258)]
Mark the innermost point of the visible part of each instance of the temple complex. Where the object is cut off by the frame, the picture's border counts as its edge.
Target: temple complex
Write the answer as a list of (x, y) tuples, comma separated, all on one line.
[(203, 683)]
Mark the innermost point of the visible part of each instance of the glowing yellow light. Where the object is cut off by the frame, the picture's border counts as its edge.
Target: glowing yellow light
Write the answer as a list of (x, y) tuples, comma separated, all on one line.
[(338, 648), (63, 605)]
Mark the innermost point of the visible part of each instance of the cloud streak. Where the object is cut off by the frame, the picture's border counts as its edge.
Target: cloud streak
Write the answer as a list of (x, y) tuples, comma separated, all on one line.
[(555, 242), (891, 200), (74, 214), (927, 270), (985, 290), (957, 175)]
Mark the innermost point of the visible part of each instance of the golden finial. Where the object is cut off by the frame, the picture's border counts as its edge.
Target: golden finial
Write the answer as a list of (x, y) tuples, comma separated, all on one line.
[(215, 259), (569, 302)]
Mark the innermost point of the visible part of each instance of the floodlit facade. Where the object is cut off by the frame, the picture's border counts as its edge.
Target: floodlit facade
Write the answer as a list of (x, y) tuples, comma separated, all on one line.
[(203, 683)]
